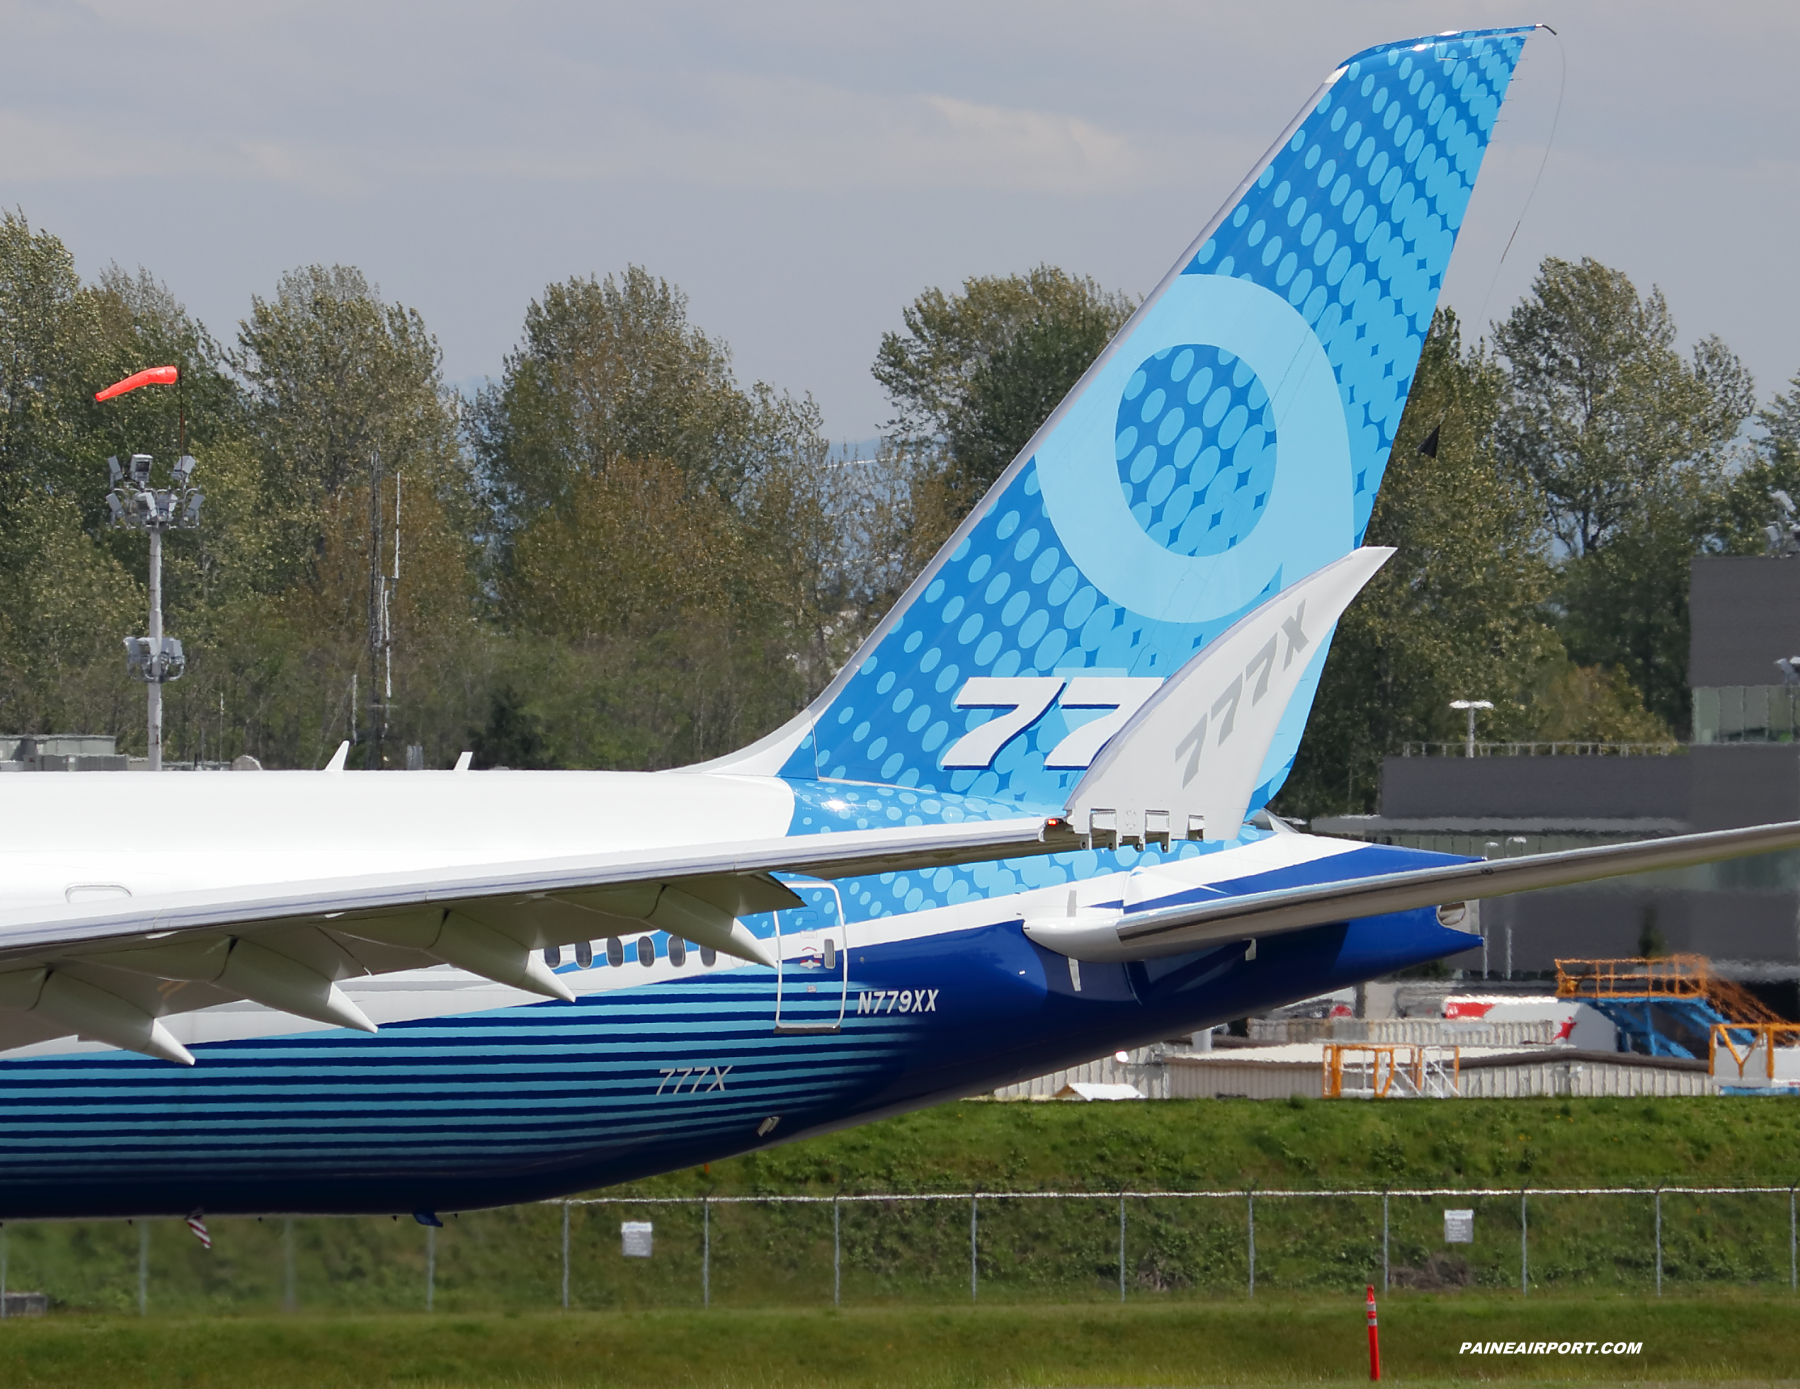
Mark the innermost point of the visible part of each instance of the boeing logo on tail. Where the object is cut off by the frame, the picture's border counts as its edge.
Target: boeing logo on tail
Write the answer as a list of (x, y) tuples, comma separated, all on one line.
[(1027, 698)]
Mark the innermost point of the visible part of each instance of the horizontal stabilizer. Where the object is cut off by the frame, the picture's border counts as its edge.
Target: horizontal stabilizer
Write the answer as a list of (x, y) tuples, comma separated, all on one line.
[(1182, 927)]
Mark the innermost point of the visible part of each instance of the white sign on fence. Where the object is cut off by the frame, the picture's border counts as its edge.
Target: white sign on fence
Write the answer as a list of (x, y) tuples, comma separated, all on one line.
[(1459, 1227), (639, 1236)]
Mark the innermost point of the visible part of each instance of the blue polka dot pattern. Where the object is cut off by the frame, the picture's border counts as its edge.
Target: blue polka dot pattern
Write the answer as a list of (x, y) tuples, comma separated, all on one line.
[(1355, 219), (1195, 446), (1351, 222)]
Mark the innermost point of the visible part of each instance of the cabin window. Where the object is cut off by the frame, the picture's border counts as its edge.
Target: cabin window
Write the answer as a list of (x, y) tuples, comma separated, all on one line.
[(584, 954), (708, 956), (830, 953), (646, 951), (677, 951), (553, 955), (615, 951)]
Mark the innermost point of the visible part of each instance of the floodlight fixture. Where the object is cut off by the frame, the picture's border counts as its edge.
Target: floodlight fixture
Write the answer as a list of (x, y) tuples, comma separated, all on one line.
[(155, 660), (1789, 666), (1470, 706), (132, 500)]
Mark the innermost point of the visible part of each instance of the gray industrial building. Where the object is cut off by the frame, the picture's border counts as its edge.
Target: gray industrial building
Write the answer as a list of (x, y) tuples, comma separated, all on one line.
[(1743, 768)]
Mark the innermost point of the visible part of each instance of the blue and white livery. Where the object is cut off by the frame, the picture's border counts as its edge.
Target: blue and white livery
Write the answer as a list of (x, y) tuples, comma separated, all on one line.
[(1023, 827)]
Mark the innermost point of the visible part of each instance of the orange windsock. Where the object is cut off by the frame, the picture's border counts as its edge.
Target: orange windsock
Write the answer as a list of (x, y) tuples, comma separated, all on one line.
[(150, 376)]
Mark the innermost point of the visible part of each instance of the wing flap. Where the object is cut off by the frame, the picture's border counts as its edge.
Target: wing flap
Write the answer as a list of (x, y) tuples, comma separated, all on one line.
[(107, 971)]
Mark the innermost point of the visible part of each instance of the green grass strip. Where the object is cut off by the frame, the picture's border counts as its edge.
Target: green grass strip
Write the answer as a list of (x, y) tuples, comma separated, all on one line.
[(1281, 1340)]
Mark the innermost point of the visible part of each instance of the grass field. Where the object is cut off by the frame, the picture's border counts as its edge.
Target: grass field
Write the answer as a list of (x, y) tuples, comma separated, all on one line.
[(1066, 1251), (1049, 1269), (1272, 1340), (1182, 1144)]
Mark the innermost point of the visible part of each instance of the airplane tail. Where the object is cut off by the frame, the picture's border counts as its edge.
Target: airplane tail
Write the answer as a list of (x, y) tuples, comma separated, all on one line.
[(1227, 444)]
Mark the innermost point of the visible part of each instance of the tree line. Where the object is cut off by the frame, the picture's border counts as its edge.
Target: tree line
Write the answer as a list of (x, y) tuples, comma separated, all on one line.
[(618, 555)]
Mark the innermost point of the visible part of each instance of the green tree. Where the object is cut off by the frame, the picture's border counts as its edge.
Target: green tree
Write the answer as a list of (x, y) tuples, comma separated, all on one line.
[(346, 402), (49, 336), (675, 565), (611, 369), (1456, 613), (1601, 410), (70, 586), (1631, 447), (337, 378), (1750, 508), (975, 374)]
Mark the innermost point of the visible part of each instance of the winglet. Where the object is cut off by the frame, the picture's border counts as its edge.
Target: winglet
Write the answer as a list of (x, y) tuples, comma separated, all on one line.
[(1186, 763), (338, 758)]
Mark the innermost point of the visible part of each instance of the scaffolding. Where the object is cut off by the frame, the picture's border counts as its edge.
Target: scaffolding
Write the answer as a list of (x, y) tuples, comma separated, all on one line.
[(1757, 1056), (1403, 1071), (1670, 1005)]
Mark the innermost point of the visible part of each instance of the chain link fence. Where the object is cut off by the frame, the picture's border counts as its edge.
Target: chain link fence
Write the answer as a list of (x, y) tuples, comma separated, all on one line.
[(758, 1251)]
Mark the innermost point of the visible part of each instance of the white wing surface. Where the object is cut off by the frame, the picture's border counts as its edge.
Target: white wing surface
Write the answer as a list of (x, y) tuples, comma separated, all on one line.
[(109, 971)]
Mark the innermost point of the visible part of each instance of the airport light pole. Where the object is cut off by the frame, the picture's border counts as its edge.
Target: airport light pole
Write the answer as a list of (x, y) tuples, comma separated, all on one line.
[(136, 503), (1489, 850), (1471, 705)]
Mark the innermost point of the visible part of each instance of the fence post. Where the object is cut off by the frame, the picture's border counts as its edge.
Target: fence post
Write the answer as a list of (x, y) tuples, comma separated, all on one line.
[(565, 1252), (837, 1258), (1793, 1246), (706, 1251), (1251, 1197), (290, 1296), (1524, 1246), (143, 1267), (1384, 1241), (1121, 1246), (1659, 1241), (3, 1253), (974, 1201), (430, 1265)]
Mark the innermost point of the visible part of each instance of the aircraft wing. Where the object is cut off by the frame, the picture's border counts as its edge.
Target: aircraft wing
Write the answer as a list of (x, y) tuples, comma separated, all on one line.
[(1175, 928), (109, 971)]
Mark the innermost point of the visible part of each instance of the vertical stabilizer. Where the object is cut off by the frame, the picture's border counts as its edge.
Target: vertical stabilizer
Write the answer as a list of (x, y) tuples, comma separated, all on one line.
[(1228, 443)]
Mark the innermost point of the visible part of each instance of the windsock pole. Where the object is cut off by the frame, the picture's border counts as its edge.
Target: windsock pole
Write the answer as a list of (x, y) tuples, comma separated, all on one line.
[(1374, 1341)]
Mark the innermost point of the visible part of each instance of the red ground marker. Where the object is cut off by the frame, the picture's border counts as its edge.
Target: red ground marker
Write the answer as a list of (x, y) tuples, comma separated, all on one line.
[(1374, 1340)]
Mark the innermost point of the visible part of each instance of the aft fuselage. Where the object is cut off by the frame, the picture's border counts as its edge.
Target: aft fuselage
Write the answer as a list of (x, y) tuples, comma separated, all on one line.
[(894, 991)]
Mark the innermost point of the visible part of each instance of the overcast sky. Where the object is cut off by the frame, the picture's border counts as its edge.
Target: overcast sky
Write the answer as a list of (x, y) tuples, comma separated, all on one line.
[(803, 170)]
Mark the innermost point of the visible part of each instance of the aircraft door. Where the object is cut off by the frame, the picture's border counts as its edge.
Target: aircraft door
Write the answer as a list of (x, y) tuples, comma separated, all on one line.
[(812, 943)]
